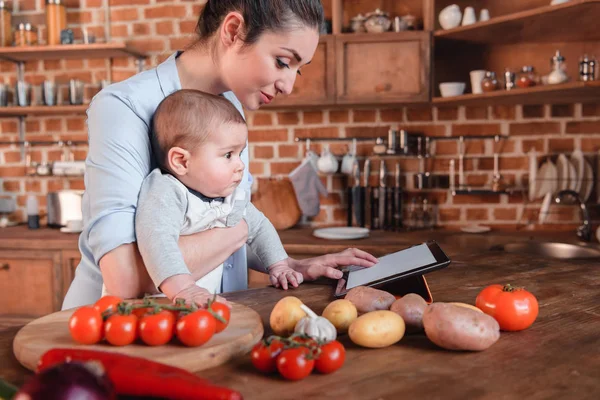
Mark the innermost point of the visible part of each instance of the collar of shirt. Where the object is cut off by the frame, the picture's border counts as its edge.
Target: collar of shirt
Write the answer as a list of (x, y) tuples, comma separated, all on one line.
[(168, 77)]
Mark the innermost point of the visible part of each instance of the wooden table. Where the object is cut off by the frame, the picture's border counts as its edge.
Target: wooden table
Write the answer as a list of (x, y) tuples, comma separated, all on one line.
[(557, 358)]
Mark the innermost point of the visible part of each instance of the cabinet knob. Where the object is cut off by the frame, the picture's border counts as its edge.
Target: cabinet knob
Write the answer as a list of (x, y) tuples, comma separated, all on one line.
[(4, 267)]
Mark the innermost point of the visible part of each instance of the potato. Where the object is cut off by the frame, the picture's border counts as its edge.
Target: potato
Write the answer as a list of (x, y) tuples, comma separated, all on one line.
[(377, 329), (472, 307), (341, 313), (459, 328), (285, 315), (367, 299), (410, 308)]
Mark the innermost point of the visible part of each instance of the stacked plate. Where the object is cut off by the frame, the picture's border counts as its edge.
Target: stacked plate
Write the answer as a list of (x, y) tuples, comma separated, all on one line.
[(573, 173)]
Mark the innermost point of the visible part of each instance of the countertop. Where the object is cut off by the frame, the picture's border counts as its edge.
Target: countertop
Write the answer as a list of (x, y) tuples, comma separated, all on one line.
[(556, 358)]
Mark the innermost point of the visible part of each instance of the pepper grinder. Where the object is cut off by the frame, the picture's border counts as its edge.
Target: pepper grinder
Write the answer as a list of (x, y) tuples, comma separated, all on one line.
[(33, 213)]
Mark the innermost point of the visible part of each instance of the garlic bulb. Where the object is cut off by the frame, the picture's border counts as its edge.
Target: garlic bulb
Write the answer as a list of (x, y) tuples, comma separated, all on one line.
[(318, 328)]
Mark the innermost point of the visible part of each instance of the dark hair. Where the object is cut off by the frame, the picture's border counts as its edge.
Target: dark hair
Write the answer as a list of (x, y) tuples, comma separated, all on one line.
[(186, 118), (260, 16)]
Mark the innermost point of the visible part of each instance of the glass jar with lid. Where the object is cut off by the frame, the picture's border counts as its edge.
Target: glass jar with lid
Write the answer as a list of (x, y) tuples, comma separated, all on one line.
[(5, 25), (20, 38), (56, 20), (489, 83), (31, 36), (527, 77)]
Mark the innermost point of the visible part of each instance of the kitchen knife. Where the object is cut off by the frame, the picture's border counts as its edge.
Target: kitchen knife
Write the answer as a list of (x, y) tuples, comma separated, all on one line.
[(397, 199), (357, 196), (382, 194), (365, 190)]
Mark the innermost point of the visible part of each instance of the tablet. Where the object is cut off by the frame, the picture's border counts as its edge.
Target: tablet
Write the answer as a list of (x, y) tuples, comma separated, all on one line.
[(415, 260)]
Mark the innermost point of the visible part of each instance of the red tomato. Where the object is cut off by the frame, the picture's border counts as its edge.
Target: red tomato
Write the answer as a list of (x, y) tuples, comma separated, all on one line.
[(196, 328), (157, 329), (140, 312), (514, 308), (106, 303), (293, 363), (332, 357), (223, 311), (121, 330), (85, 325), (264, 357)]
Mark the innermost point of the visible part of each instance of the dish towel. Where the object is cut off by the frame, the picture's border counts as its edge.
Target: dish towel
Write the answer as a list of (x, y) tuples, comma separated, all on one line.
[(308, 187)]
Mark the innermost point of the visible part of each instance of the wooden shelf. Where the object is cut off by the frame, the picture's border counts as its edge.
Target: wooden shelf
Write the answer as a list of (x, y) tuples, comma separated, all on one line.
[(69, 51), (572, 92), (15, 111), (576, 20)]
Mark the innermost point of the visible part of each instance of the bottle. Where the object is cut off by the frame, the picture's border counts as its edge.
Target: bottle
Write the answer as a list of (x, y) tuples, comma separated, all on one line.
[(489, 82), (33, 213), (558, 73), (31, 36), (56, 20), (5, 25)]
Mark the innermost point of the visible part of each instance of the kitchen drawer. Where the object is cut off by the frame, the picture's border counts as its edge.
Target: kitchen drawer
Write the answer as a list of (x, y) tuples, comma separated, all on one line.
[(30, 282)]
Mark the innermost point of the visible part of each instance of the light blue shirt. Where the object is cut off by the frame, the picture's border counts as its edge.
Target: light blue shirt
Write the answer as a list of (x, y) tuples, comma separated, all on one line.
[(119, 158)]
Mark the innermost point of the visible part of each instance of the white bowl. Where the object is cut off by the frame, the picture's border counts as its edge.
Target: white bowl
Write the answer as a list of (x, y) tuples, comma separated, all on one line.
[(450, 89)]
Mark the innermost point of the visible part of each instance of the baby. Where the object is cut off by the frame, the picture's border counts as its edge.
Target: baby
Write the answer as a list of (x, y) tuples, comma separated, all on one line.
[(197, 139)]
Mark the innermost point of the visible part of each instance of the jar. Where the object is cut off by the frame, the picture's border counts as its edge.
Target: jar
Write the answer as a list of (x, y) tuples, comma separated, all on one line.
[(587, 68), (527, 77), (489, 83), (357, 24), (20, 35), (377, 21), (5, 25), (31, 36), (56, 20)]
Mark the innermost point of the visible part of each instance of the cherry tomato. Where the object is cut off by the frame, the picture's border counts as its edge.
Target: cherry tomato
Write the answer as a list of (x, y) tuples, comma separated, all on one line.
[(85, 325), (514, 308), (223, 311), (293, 364), (332, 357), (264, 357), (121, 330), (106, 303), (157, 329), (196, 328)]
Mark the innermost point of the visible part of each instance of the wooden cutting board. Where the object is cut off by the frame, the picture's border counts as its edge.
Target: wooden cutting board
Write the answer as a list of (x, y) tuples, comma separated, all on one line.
[(245, 329)]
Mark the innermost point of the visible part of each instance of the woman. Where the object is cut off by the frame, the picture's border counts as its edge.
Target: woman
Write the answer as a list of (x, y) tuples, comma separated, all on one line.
[(248, 51)]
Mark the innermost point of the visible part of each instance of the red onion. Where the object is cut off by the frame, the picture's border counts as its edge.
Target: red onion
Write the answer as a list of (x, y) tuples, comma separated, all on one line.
[(69, 381)]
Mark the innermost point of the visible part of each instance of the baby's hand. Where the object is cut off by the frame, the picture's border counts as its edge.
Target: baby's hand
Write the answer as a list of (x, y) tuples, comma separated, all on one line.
[(280, 274), (196, 295)]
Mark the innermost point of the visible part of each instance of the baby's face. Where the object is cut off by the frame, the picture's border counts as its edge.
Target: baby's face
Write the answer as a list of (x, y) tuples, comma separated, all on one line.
[(216, 167)]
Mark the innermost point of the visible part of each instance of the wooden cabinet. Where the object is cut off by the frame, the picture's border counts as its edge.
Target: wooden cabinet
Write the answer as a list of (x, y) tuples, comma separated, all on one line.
[(316, 85), (30, 282), (383, 68), (70, 261)]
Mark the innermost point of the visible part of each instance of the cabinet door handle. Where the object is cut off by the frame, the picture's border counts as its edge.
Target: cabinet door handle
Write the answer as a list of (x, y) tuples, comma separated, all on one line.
[(4, 267)]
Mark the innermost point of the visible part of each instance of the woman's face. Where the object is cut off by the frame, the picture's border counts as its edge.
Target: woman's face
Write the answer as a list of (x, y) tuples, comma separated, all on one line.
[(258, 73)]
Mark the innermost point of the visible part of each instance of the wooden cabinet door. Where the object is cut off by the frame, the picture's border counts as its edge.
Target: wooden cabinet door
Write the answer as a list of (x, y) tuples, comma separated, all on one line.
[(70, 261), (316, 85), (30, 282), (383, 68)]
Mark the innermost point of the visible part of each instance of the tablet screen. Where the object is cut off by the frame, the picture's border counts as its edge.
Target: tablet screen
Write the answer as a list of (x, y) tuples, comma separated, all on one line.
[(392, 264)]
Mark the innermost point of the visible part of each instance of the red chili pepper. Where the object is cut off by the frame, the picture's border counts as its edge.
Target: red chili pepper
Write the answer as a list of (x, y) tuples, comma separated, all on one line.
[(135, 376)]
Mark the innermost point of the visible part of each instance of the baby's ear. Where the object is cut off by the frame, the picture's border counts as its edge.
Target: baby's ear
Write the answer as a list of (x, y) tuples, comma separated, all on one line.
[(178, 160)]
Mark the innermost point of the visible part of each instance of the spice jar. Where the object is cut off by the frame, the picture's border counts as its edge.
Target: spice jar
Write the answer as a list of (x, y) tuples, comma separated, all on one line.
[(20, 35), (31, 36), (587, 68), (56, 20), (489, 83), (5, 25), (527, 77)]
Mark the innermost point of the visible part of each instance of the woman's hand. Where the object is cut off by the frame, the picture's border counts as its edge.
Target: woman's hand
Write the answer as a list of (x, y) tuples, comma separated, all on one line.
[(316, 267)]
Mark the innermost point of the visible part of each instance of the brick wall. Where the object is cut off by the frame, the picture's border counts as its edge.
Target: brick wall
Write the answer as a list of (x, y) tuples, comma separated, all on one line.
[(160, 27)]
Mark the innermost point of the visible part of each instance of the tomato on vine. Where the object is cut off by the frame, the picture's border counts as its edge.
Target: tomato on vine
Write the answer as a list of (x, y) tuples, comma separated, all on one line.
[(264, 355), (86, 325), (331, 357), (295, 363), (121, 330)]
